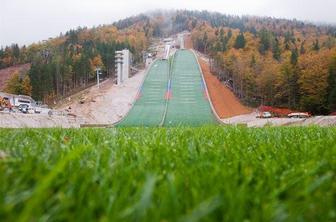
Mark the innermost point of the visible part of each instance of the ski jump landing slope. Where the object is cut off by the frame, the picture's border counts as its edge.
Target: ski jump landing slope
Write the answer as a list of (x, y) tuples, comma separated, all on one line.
[(150, 104), (173, 94), (188, 104)]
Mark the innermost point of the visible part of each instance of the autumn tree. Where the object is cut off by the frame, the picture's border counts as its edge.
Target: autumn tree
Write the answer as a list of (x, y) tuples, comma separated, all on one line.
[(266, 80), (14, 84), (26, 86), (313, 82), (18, 85), (96, 62), (332, 85), (287, 86), (253, 61)]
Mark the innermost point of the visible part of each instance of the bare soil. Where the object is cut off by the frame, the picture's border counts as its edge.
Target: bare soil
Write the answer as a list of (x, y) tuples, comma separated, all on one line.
[(5, 74), (187, 42), (106, 105), (224, 101)]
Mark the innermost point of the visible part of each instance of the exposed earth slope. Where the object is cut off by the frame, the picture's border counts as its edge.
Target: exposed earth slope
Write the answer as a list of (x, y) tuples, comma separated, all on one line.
[(5, 74), (224, 101)]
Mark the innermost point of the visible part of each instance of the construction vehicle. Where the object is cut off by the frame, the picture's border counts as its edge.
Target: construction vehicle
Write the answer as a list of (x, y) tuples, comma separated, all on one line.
[(4, 103)]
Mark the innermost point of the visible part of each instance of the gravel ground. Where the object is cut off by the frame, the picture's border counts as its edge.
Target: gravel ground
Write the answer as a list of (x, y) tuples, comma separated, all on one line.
[(105, 105), (20, 120)]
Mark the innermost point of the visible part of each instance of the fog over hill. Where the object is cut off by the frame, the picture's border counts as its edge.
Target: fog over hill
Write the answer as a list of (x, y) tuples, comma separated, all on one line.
[(25, 22)]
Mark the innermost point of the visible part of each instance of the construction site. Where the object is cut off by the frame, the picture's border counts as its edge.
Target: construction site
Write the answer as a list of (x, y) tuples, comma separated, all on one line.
[(206, 112), (176, 88)]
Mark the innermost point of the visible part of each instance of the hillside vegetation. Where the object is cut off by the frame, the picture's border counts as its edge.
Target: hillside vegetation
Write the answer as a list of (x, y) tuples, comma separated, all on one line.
[(66, 63), (268, 61)]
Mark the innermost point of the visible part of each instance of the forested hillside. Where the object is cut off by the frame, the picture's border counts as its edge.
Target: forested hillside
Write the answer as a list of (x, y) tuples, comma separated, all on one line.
[(269, 61), (68, 62), (279, 62)]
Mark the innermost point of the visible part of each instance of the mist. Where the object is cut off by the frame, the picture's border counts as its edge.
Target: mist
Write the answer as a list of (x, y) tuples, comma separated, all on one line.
[(25, 22)]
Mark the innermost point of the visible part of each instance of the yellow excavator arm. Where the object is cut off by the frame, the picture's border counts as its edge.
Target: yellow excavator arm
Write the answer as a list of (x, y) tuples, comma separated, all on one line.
[(3, 103)]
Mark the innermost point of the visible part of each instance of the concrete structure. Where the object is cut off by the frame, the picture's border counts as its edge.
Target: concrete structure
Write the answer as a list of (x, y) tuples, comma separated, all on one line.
[(119, 65), (167, 51), (123, 60), (126, 64), (181, 40), (169, 41), (98, 73)]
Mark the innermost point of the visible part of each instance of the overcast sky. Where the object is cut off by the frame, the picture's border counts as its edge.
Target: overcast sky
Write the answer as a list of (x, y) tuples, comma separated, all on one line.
[(27, 21)]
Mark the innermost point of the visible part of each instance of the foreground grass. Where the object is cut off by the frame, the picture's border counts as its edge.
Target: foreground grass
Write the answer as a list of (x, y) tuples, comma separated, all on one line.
[(186, 174)]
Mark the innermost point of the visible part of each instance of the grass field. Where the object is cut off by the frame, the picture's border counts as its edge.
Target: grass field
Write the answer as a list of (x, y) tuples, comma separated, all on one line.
[(176, 174)]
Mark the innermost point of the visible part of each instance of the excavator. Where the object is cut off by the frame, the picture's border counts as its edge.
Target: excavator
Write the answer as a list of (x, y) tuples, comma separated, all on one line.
[(4, 103)]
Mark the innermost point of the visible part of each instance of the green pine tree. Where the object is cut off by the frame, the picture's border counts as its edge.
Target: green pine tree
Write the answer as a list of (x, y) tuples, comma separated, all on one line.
[(316, 45), (276, 50), (294, 56), (240, 41), (302, 49)]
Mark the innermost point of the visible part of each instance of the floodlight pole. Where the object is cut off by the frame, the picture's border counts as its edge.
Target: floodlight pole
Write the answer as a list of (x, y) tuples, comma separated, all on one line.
[(98, 72)]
